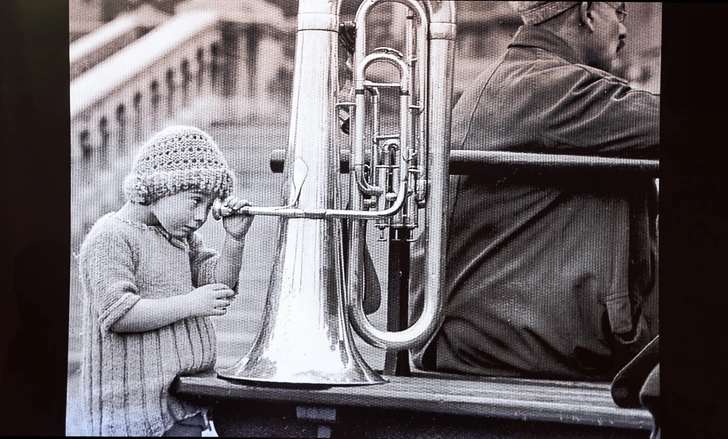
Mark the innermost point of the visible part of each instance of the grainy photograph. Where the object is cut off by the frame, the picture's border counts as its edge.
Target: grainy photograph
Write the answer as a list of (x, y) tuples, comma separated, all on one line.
[(364, 218)]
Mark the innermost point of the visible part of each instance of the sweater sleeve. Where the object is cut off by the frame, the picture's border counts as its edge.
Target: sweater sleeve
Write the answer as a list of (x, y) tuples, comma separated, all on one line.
[(203, 261), (107, 268)]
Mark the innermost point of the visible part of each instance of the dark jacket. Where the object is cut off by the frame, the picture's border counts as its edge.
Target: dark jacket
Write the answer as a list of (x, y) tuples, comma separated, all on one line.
[(549, 277)]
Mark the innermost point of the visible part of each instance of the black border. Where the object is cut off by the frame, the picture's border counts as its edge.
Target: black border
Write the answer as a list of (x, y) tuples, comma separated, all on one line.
[(36, 215), (693, 220), (34, 128)]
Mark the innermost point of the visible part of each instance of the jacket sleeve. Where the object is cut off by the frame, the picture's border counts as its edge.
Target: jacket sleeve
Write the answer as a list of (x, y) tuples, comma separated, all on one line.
[(107, 269), (596, 113), (558, 108)]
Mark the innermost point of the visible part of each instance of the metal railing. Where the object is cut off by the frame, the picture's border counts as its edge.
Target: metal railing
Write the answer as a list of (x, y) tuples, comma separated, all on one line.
[(464, 162), (473, 162)]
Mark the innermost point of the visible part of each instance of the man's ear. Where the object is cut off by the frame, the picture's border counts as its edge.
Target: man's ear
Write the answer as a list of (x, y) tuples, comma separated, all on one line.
[(585, 15)]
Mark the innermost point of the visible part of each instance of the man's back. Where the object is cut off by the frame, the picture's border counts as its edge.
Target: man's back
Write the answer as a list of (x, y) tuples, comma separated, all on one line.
[(548, 277)]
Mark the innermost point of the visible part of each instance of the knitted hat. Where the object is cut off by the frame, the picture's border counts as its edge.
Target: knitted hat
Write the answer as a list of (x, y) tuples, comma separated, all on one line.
[(178, 158), (537, 12)]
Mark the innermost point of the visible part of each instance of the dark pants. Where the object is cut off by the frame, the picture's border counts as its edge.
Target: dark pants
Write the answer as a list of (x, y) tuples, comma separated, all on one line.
[(190, 427)]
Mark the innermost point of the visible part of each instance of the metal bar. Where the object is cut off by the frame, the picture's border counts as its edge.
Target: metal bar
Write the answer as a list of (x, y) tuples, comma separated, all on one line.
[(471, 162), (382, 84), (396, 362)]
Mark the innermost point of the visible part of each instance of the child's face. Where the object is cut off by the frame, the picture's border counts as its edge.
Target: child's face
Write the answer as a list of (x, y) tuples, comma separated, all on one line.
[(182, 213)]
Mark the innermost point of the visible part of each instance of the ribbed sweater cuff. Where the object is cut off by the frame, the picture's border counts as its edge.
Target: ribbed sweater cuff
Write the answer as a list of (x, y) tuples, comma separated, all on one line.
[(117, 309), (207, 271)]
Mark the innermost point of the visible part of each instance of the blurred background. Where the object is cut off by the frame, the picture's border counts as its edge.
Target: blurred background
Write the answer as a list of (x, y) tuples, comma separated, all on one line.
[(226, 66)]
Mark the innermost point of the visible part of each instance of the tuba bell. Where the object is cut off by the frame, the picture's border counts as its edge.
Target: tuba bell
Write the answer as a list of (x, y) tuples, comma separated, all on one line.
[(315, 295)]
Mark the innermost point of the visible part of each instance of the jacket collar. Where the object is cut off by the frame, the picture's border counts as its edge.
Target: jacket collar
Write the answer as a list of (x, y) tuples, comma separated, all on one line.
[(540, 38)]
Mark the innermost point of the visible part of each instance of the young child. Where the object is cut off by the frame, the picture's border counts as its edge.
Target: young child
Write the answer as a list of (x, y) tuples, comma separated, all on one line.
[(150, 286)]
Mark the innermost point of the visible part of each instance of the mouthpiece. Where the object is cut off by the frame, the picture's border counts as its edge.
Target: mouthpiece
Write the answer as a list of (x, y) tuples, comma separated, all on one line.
[(219, 211)]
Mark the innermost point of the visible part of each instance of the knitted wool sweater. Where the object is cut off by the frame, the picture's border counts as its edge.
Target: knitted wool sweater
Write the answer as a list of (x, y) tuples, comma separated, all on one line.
[(126, 376)]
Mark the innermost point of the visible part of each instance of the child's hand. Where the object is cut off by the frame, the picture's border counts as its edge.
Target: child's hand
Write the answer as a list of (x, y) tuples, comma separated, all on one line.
[(237, 224), (209, 300)]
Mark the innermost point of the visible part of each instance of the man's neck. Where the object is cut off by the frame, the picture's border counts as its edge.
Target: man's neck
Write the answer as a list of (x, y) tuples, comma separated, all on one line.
[(542, 38), (576, 33), (573, 35)]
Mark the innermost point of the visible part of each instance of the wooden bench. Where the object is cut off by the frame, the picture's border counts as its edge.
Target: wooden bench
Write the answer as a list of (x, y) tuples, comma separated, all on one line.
[(422, 405)]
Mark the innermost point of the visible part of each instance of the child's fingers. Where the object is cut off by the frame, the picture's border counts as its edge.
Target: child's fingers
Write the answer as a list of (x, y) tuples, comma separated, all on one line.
[(224, 294), (222, 303), (220, 291), (243, 203), (233, 200), (220, 307), (235, 203)]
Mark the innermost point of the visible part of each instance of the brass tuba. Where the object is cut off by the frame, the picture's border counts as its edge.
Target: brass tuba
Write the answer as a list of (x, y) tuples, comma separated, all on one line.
[(315, 294)]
